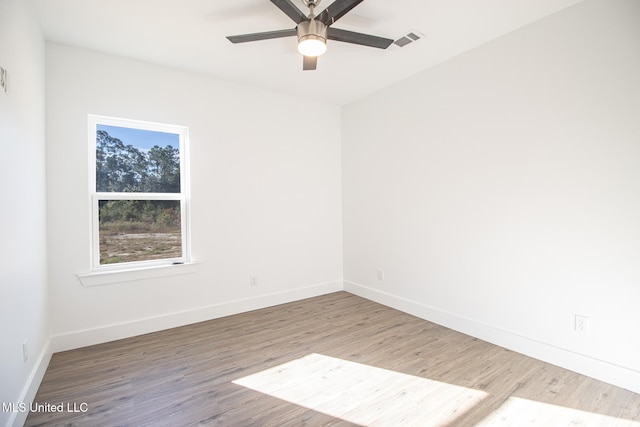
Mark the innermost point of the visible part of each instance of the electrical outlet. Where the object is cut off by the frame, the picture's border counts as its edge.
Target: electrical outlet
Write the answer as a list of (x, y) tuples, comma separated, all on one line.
[(25, 351), (3, 80), (253, 280), (381, 275), (581, 324)]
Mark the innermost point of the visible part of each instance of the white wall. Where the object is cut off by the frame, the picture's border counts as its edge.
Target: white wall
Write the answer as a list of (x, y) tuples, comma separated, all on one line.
[(265, 187), (23, 265), (500, 191)]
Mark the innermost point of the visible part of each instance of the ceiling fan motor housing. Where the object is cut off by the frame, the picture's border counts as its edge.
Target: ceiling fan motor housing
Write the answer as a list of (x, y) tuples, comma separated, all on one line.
[(312, 32)]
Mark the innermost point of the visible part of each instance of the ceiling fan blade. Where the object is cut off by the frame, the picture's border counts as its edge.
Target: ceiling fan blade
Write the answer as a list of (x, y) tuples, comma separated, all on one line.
[(358, 38), (242, 38), (309, 63), (290, 10), (337, 10)]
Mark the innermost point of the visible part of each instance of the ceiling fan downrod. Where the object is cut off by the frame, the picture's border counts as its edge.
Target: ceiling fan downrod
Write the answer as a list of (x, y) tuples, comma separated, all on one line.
[(311, 4)]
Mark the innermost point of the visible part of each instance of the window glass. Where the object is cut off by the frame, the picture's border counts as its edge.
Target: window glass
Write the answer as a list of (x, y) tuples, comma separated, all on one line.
[(139, 230), (137, 160), (139, 198)]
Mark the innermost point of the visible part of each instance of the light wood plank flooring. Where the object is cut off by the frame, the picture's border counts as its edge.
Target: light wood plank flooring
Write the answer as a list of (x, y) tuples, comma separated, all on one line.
[(183, 376)]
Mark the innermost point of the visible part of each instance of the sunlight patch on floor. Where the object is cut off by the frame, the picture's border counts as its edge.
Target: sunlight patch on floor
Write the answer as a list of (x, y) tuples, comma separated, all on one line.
[(363, 394), (516, 411)]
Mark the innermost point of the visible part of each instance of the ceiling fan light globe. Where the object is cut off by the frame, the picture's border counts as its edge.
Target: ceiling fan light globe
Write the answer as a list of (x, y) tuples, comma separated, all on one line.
[(312, 45)]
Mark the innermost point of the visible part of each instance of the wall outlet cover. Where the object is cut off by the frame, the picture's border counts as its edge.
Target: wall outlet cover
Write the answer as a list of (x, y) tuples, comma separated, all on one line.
[(581, 324)]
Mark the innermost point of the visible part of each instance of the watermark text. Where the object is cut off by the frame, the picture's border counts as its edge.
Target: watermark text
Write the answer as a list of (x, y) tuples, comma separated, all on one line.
[(68, 407)]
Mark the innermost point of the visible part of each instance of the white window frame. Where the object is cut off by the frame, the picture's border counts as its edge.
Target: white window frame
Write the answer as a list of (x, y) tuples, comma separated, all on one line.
[(96, 197)]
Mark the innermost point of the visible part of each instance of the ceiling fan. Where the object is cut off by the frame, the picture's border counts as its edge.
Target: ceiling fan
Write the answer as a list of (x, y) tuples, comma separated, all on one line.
[(313, 31)]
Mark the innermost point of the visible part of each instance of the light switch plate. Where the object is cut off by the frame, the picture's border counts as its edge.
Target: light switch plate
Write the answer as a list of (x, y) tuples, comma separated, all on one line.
[(3, 80)]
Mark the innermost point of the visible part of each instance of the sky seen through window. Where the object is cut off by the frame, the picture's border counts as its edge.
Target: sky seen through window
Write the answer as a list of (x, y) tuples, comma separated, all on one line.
[(140, 138)]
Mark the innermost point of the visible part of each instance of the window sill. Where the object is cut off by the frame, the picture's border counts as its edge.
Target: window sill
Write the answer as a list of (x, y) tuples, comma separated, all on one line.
[(120, 276)]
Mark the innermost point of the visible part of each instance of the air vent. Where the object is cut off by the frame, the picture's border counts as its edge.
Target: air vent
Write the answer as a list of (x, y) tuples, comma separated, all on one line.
[(408, 38), (403, 41)]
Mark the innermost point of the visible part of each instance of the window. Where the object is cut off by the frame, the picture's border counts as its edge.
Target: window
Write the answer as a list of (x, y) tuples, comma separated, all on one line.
[(139, 197)]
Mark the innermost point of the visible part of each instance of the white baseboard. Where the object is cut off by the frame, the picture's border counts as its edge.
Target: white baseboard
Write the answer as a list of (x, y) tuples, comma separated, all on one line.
[(599, 369), (83, 338), (30, 389)]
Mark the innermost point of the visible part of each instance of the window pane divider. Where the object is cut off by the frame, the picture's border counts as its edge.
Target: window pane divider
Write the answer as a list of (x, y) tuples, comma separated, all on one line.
[(138, 196)]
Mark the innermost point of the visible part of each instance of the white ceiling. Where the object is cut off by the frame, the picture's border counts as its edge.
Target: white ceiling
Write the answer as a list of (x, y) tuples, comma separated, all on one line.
[(190, 34)]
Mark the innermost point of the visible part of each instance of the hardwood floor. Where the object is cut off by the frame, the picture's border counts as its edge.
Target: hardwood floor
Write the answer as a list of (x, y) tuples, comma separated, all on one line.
[(183, 376)]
